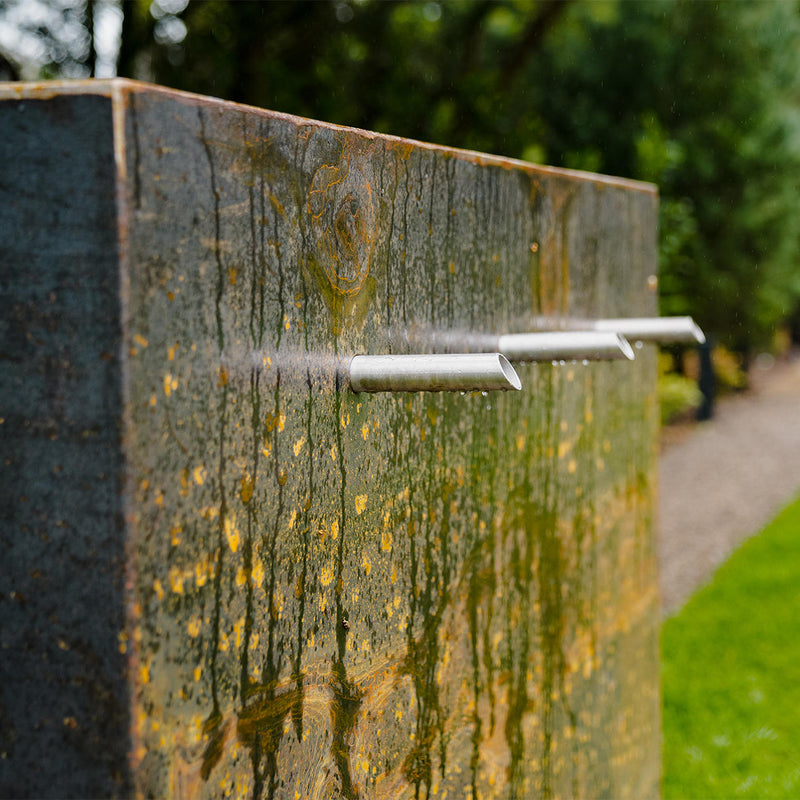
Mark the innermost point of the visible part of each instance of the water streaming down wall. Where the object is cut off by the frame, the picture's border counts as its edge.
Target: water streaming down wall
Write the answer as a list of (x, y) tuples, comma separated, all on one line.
[(228, 573)]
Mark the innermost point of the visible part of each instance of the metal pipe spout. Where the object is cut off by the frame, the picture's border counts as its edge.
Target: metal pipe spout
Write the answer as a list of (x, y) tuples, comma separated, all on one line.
[(654, 329), (565, 346), (464, 372)]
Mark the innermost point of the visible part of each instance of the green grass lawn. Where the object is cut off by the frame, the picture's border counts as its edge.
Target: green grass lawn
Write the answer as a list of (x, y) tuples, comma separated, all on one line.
[(731, 675)]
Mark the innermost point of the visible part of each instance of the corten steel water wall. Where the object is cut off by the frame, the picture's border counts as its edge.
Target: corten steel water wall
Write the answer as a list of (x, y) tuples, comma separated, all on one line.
[(226, 572)]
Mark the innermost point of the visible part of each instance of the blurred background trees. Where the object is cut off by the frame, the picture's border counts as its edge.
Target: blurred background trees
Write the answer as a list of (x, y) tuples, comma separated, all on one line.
[(701, 98)]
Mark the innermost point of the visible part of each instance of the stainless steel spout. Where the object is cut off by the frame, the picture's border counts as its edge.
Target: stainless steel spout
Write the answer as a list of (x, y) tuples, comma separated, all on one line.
[(654, 329), (565, 346), (465, 372)]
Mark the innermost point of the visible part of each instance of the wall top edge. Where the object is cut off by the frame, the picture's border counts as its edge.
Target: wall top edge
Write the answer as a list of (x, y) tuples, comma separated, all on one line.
[(118, 88)]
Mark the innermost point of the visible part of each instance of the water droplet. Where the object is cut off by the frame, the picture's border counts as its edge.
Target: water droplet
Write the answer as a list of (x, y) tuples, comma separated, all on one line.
[(562, 363), (555, 363), (639, 345), (488, 406), (463, 393), (585, 362), (484, 394)]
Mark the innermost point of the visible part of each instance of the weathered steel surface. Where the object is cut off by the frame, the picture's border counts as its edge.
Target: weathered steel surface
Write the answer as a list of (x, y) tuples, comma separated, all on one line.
[(64, 705), (332, 594)]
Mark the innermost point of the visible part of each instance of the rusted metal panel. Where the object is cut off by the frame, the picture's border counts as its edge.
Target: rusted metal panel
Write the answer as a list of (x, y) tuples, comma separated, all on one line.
[(333, 594)]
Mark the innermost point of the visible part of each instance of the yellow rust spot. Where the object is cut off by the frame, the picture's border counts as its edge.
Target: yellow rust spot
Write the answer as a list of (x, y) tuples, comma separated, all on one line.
[(572, 467), (600, 464), (175, 577), (292, 519), (386, 541), (222, 377), (247, 488), (202, 571), (257, 575), (360, 502), (276, 420), (452, 267), (232, 274), (171, 352), (298, 446), (140, 340), (606, 446), (153, 400), (193, 627), (144, 672), (335, 529), (364, 431), (199, 475), (521, 442), (326, 575), (231, 532), (564, 448), (175, 534), (366, 564), (159, 498), (286, 323), (241, 576), (170, 384), (393, 577), (158, 589), (333, 452), (198, 671), (171, 295), (238, 629), (588, 416)]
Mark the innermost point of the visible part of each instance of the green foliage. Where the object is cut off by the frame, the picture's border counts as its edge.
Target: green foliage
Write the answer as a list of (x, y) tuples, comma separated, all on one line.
[(677, 394), (728, 369), (731, 676)]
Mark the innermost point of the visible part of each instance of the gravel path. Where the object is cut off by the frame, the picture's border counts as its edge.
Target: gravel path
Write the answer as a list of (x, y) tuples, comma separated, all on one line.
[(723, 480)]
